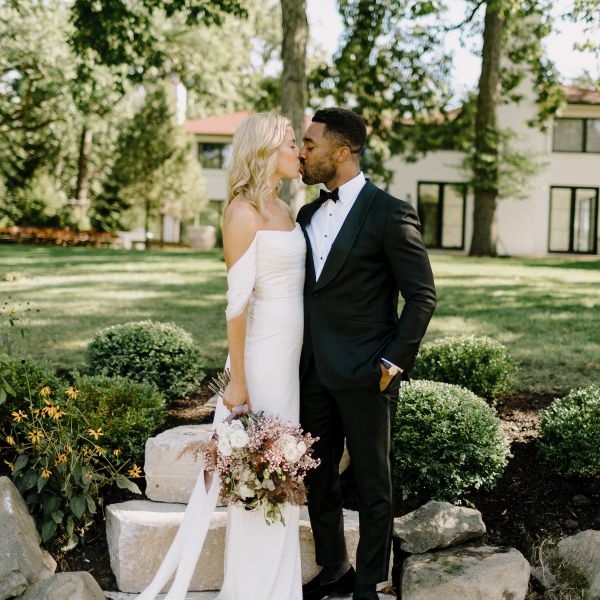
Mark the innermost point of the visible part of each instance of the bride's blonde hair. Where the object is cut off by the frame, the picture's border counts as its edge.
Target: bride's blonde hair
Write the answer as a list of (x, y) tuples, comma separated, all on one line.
[(254, 159)]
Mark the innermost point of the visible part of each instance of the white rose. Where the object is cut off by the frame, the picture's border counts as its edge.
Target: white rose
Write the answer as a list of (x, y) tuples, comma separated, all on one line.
[(238, 438), (268, 484), (236, 425), (290, 452), (224, 446), (301, 447), (222, 429)]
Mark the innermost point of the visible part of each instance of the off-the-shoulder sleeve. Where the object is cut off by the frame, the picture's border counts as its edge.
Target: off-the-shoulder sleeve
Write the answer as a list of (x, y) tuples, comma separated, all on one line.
[(240, 282)]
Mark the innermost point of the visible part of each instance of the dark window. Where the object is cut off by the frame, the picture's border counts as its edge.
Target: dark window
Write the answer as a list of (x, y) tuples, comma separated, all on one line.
[(441, 208), (576, 135), (213, 155), (573, 222)]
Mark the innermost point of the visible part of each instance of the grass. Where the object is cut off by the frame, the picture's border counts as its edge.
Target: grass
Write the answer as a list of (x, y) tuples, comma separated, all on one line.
[(545, 310)]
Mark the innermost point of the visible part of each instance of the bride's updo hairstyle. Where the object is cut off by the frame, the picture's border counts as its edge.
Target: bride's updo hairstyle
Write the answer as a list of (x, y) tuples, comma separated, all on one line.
[(254, 159)]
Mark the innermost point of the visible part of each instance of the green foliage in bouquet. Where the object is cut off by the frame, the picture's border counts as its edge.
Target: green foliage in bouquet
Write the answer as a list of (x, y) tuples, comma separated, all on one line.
[(60, 465), (570, 433), (447, 441), (127, 411), (146, 351), (479, 364)]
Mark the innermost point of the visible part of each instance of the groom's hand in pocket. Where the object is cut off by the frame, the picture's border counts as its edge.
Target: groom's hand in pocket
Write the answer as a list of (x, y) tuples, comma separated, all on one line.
[(386, 378)]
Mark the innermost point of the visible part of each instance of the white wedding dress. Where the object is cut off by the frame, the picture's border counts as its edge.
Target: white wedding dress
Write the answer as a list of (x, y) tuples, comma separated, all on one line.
[(262, 562)]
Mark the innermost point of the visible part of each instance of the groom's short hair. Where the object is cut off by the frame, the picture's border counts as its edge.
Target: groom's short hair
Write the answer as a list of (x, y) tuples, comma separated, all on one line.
[(346, 127)]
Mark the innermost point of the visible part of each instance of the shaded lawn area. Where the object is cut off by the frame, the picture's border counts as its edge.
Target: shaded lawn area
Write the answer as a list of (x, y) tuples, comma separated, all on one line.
[(547, 311)]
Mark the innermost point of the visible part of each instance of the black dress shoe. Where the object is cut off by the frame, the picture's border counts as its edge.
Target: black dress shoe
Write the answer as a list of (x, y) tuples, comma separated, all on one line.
[(316, 589)]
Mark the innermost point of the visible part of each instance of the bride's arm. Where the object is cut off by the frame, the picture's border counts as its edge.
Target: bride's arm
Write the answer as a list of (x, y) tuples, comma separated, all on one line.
[(240, 225)]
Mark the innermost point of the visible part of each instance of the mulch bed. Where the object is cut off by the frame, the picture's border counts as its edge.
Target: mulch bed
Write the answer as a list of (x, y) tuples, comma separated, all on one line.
[(528, 505)]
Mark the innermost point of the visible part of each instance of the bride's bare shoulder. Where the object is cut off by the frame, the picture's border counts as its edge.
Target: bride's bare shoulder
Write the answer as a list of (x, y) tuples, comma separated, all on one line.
[(241, 221)]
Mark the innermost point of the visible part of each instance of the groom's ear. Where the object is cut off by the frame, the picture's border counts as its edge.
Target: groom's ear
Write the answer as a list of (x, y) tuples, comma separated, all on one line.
[(342, 154)]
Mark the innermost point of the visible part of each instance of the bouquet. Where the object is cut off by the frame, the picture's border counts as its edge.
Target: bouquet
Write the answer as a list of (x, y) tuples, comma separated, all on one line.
[(260, 460)]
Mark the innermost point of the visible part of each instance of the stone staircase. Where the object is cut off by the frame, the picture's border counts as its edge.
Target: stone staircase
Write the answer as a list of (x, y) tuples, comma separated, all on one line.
[(140, 532)]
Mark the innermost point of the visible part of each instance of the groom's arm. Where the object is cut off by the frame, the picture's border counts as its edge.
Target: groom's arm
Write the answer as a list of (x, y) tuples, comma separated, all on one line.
[(410, 267)]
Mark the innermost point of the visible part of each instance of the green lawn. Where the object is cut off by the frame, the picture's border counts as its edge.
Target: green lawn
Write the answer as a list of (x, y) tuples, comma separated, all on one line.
[(547, 311)]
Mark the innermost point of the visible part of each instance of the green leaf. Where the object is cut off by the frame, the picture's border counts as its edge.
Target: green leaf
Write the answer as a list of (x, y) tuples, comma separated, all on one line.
[(29, 480), (48, 530), (57, 516), (70, 527), (41, 483), (20, 463), (127, 484), (51, 504), (2, 396), (91, 504), (71, 543), (78, 505)]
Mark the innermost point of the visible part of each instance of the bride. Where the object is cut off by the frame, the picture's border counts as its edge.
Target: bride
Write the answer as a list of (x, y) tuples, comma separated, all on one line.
[(265, 256)]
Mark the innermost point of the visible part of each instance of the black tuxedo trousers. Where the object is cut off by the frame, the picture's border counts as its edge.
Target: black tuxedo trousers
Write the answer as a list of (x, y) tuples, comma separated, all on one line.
[(351, 321)]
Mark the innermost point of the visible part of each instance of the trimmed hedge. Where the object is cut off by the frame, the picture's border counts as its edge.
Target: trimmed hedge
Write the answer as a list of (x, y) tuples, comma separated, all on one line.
[(447, 441), (479, 364), (146, 351), (570, 433)]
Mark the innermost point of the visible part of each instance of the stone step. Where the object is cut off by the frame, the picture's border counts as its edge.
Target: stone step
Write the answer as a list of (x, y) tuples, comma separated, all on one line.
[(171, 478), (211, 596), (140, 532)]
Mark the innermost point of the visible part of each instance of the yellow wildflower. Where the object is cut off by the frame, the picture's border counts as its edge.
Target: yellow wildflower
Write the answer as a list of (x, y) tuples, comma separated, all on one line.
[(135, 471), (95, 433), (87, 451), (36, 411), (45, 473), (61, 458), (18, 415), (10, 440), (45, 391), (116, 451), (58, 414), (89, 474), (71, 392), (11, 465), (68, 449), (35, 435), (100, 450)]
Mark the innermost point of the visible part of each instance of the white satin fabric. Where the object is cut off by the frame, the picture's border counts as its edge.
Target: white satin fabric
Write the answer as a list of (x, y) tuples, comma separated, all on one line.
[(262, 562)]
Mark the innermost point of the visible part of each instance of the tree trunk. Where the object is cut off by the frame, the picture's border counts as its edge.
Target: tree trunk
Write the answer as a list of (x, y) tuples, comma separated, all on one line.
[(293, 83), (83, 171), (485, 163), (147, 224)]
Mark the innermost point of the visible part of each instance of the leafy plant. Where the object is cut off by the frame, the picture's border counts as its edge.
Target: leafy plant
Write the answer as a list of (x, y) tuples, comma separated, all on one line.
[(60, 466), (479, 364), (447, 441), (147, 351), (570, 433), (128, 412)]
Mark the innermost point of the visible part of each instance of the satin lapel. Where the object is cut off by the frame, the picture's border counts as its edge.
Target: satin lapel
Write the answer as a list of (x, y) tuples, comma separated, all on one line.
[(347, 236), (304, 219)]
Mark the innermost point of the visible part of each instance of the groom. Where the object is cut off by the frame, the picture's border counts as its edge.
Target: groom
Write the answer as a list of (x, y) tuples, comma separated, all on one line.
[(364, 248)]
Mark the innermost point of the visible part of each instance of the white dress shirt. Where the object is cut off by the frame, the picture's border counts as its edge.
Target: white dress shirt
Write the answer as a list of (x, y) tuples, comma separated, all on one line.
[(328, 220)]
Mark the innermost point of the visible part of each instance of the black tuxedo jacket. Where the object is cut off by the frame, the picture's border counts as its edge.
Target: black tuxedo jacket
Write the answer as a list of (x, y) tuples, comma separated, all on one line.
[(351, 313)]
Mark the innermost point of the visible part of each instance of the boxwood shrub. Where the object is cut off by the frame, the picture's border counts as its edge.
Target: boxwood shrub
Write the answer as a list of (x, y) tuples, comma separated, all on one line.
[(127, 412), (570, 433), (447, 441), (147, 351), (479, 364)]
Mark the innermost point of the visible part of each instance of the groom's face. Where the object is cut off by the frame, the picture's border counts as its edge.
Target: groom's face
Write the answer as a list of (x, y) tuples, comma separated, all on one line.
[(317, 164)]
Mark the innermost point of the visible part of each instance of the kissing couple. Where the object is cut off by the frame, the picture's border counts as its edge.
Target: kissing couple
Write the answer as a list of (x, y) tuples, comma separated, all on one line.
[(314, 338)]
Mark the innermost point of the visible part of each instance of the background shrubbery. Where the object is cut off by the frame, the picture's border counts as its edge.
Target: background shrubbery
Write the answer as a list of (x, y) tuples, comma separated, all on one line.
[(570, 433), (479, 364), (447, 441), (146, 351), (127, 411)]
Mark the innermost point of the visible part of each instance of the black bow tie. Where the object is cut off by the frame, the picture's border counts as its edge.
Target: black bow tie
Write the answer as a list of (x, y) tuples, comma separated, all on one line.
[(325, 195)]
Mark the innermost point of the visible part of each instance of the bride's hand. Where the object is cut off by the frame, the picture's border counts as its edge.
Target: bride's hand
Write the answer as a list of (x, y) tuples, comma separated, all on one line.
[(236, 395)]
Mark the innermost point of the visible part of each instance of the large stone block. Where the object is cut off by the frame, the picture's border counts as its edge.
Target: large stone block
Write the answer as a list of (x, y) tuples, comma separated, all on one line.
[(583, 551), (140, 533), (22, 561), (65, 586), (466, 573), (437, 525), (169, 477)]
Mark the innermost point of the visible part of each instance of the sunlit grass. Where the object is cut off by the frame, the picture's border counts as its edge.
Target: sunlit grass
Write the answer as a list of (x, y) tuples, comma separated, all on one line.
[(547, 311)]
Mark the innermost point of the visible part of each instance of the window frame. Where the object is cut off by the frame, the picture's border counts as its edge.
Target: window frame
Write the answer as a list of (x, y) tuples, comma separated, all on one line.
[(440, 217), (221, 150), (573, 192), (584, 136)]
